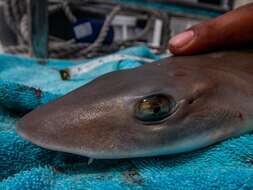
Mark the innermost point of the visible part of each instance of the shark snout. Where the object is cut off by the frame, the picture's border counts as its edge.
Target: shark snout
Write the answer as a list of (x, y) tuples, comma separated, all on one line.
[(81, 127), (46, 125)]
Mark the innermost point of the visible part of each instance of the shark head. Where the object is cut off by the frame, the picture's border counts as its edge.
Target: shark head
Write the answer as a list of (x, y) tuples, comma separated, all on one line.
[(171, 106)]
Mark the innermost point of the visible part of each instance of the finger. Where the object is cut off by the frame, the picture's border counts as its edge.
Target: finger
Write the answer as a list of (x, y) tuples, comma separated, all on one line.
[(232, 29)]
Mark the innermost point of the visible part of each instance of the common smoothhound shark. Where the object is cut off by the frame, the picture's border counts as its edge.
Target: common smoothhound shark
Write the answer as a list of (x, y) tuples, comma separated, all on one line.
[(175, 105)]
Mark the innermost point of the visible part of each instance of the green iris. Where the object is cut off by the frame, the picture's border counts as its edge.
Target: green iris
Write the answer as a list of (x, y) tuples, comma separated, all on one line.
[(154, 108)]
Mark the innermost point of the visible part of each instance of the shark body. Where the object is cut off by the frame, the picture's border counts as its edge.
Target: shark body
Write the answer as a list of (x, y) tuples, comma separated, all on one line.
[(175, 105)]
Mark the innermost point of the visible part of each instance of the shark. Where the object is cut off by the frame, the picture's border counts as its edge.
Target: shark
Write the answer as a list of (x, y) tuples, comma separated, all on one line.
[(171, 106)]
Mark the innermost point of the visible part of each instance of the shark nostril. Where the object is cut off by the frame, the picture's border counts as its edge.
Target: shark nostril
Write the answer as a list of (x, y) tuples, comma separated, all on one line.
[(191, 101), (195, 96)]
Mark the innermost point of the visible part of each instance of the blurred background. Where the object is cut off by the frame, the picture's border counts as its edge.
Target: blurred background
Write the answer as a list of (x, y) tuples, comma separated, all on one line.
[(81, 29)]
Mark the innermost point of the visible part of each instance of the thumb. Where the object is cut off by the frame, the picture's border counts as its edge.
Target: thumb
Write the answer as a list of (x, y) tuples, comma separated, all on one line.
[(232, 29)]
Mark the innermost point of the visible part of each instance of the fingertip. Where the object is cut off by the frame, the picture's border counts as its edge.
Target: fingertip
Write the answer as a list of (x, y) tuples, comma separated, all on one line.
[(203, 37), (230, 30), (182, 39), (179, 43)]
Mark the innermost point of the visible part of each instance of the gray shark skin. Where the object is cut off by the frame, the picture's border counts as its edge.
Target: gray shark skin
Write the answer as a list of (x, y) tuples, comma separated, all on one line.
[(175, 105)]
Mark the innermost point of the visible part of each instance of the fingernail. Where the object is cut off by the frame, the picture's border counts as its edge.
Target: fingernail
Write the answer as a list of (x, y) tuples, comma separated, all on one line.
[(181, 39)]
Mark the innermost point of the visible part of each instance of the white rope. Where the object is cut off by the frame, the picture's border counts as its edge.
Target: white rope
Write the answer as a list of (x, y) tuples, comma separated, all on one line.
[(15, 14)]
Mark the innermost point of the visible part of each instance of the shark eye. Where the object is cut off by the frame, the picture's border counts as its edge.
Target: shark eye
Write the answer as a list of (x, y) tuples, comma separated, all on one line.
[(154, 108)]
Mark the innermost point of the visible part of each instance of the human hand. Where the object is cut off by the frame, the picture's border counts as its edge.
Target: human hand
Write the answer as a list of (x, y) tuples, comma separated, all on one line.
[(230, 30)]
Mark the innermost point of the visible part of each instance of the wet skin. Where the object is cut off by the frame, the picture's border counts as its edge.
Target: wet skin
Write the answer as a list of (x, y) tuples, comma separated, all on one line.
[(175, 105)]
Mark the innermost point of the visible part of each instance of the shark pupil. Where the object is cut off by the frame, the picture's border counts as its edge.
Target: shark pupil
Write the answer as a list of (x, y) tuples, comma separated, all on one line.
[(157, 109)]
